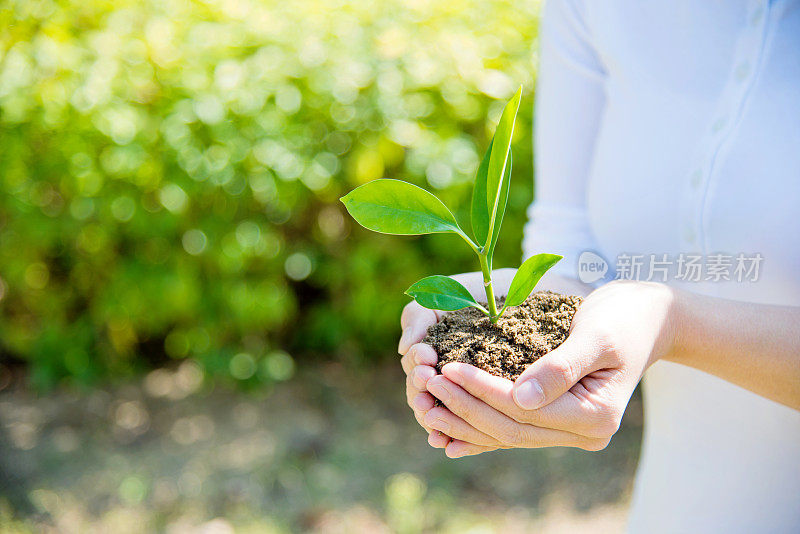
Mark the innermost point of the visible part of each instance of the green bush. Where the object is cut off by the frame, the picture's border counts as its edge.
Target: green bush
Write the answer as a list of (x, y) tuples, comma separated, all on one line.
[(170, 173)]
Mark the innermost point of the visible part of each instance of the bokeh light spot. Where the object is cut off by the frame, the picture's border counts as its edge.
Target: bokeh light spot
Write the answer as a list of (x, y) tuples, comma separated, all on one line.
[(288, 99), (37, 275), (132, 490), (123, 208), (298, 266), (194, 241), (242, 366), (278, 365), (176, 344), (173, 197)]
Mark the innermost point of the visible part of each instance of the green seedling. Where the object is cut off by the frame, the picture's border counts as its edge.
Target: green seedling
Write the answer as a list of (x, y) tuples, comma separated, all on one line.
[(400, 208)]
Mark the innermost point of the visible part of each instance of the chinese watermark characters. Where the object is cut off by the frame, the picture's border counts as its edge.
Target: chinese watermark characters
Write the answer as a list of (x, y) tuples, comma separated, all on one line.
[(689, 267)]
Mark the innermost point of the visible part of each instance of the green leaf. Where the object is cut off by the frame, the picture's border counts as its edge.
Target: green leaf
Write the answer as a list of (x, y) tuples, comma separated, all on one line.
[(501, 147), (501, 209), (528, 275), (400, 208), (442, 293), (480, 215)]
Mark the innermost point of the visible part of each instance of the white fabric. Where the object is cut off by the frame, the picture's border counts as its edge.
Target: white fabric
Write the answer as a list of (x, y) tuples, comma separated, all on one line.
[(668, 128)]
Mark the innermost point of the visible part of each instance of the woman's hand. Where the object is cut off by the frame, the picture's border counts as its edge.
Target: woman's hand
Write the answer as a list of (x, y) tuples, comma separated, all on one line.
[(419, 359), (573, 396)]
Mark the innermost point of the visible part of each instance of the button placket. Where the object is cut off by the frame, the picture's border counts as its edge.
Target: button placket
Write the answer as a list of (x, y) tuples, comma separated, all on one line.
[(746, 57)]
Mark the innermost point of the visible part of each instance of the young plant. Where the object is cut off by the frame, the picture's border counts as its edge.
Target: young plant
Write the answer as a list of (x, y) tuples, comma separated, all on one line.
[(400, 208)]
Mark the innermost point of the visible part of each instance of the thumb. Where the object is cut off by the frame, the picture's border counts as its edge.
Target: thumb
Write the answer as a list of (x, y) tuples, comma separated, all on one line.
[(553, 374)]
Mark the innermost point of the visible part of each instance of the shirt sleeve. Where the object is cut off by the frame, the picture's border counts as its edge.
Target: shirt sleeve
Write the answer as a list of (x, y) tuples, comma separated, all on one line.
[(569, 105)]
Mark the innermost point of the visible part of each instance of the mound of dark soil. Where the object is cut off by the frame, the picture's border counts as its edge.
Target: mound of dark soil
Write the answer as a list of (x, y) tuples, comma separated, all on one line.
[(520, 337)]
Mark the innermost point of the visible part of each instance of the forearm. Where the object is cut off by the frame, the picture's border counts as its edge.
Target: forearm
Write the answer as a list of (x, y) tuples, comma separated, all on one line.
[(754, 346)]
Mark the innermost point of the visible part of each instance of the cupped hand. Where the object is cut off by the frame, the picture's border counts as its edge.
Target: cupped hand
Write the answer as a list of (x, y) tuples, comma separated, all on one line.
[(419, 359), (573, 396)]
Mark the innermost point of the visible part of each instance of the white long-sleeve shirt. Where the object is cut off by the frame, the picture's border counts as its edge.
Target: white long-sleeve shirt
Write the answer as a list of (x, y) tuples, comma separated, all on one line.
[(673, 128)]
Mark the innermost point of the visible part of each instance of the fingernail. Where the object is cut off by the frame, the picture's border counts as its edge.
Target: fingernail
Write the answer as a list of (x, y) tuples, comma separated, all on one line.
[(419, 402), (402, 347), (454, 455), (437, 439), (441, 425), (529, 395), (453, 371), (438, 391)]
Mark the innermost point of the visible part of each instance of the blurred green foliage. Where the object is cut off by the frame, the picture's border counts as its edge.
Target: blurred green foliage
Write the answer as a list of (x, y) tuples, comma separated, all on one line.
[(170, 171)]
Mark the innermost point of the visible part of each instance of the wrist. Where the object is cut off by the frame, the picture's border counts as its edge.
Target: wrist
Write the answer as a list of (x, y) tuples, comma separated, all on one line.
[(662, 311), (677, 306)]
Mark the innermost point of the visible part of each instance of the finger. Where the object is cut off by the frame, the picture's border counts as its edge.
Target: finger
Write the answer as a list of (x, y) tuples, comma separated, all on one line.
[(407, 362), (418, 354), (459, 449), (413, 312), (594, 406), (491, 389), (419, 401), (473, 411), (443, 420), (423, 354), (556, 372), (415, 321), (438, 440), (587, 408), (420, 404), (414, 378), (420, 376), (504, 429)]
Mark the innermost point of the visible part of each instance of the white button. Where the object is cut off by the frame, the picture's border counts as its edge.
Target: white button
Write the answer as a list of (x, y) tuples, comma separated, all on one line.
[(697, 177), (719, 125), (742, 71)]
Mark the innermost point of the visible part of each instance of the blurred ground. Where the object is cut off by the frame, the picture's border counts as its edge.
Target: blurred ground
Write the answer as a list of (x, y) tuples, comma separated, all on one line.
[(330, 451)]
